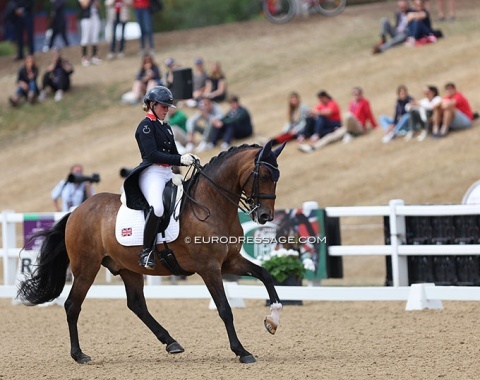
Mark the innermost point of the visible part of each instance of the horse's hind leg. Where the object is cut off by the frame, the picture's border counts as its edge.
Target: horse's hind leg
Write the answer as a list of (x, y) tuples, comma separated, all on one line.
[(73, 305), (136, 302), (214, 283), (243, 267)]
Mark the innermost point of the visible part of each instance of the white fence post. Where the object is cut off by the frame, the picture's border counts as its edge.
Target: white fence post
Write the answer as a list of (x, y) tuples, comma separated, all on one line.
[(9, 243), (397, 237)]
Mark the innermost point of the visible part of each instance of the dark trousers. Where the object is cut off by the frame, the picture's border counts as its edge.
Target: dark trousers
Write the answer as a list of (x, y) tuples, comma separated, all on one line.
[(24, 25), (309, 129), (230, 131), (114, 34), (324, 126), (59, 28), (59, 82), (418, 29)]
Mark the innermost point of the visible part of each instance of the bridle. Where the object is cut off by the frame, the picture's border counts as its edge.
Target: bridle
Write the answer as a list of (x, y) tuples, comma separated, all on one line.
[(247, 204), (254, 200)]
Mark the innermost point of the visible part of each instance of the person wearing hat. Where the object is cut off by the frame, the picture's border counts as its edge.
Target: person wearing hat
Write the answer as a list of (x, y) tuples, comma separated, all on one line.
[(145, 184)]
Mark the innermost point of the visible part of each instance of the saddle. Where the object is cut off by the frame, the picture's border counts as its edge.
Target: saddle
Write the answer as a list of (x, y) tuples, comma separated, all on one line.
[(130, 223)]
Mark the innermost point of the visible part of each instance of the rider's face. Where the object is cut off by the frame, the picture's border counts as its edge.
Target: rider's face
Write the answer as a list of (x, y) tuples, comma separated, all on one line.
[(160, 110)]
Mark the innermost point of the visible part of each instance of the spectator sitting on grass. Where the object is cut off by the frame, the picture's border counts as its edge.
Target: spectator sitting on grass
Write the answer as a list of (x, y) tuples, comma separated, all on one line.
[(358, 115), (57, 76), (454, 112), (26, 82), (397, 32), (326, 119)]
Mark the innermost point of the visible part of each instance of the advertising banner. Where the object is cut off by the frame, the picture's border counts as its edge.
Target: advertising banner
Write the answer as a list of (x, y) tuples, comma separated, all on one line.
[(302, 230)]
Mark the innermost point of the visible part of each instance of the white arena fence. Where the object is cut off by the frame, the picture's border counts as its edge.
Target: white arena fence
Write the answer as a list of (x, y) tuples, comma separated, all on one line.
[(419, 296)]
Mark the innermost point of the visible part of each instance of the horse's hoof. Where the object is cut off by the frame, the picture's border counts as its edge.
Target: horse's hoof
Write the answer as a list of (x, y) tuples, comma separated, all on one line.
[(174, 348), (270, 325), (248, 359), (83, 359)]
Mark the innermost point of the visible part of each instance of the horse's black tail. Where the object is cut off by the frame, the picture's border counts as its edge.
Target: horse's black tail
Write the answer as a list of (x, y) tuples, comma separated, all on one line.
[(48, 279)]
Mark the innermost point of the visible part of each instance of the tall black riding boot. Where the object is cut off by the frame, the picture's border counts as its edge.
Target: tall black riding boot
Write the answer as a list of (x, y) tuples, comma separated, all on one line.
[(147, 257)]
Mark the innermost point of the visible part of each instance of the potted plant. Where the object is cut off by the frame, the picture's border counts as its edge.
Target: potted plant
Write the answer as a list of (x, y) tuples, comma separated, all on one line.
[(287, 268)]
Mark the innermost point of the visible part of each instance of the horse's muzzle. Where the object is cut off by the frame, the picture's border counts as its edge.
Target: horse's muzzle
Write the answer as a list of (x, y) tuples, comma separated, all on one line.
[(265, 217)]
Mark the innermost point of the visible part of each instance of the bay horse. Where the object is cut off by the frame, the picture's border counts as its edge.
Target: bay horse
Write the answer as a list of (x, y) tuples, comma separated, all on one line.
[(85, 240)]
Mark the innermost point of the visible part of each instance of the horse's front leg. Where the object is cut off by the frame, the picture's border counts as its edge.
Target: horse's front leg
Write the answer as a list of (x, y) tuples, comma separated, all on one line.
[(243, 267), (136, 302), (214, 283)]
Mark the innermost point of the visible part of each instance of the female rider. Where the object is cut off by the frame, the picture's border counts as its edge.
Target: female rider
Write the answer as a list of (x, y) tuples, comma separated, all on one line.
[(145, 184)]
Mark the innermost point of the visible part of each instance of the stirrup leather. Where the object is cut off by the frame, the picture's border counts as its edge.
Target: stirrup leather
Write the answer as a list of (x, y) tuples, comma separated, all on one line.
[(147, 258)]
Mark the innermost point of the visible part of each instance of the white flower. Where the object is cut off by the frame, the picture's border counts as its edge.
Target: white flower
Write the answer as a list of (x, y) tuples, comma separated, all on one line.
[(292, 252), (308, 264), (281, 252)]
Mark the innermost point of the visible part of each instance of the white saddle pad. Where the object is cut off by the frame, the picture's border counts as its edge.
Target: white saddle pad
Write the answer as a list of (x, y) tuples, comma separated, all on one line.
[(130, 223)]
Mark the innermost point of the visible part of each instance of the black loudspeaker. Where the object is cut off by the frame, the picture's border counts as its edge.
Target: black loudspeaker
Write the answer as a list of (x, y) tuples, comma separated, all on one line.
[(182, 87)]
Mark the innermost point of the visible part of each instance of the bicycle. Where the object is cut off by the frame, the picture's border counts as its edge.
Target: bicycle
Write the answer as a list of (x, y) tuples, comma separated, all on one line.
[(282, 11)]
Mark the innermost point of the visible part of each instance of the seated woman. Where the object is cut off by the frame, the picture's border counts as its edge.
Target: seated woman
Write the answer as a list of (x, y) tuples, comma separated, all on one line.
[(26, 82), (147, 77), (358, 116), (421, 113), (216, 84), (419, 26), (397, 125), (327, 124), (297, 114), (57, 77)]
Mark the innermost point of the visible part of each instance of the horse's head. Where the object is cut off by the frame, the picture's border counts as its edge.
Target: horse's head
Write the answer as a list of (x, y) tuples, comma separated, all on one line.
[(259, 183)]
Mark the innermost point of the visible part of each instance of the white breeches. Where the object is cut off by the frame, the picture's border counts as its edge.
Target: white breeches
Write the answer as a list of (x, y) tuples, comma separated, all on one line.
[(152, 183)]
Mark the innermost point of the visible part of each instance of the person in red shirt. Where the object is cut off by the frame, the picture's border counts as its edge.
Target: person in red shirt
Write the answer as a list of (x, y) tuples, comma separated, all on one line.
[(358, 115), (454, 112), (327, 116), (327, 126)]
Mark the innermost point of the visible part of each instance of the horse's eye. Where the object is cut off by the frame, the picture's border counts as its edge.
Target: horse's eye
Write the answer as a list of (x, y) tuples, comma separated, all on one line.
[(264, 177)]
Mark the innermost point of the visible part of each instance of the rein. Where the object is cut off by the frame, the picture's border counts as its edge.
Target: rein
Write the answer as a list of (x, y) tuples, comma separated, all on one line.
[(246, 204)]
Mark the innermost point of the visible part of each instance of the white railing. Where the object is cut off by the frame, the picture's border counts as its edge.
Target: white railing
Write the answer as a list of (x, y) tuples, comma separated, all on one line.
[(397, 211), (397, 250)]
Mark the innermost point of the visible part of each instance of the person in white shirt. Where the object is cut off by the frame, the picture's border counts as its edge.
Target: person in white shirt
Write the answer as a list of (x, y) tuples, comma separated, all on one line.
[(420, 113), (72, 192)]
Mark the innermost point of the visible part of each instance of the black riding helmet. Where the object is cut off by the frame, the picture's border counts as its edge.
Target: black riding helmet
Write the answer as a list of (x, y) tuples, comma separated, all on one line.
[(159, 94)]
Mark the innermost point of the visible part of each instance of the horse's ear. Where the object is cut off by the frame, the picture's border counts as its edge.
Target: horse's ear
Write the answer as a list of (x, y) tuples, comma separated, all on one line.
[(265, 150), (277, 151)]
